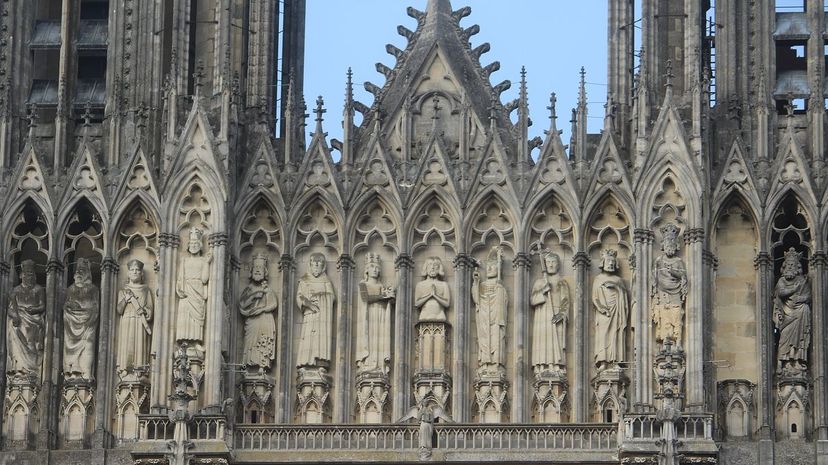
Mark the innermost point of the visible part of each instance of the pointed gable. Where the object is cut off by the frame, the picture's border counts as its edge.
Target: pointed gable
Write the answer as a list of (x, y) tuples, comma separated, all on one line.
[(608, 171), (492, 173), (85, 181), (434, 173), (376, 174), (736, 175), (316, 173), (29, 180), (261, 176), (790, 169), (137, 180), (196, 151)]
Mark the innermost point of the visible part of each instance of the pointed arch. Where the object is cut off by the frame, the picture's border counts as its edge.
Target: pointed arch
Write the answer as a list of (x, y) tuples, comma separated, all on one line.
[(735, 197), (362, 225), (480, 227), (776, 232), (27, 208), (172, 208), (315, 217), (686, 185), (607, 214), (539, 220), (251, 209)]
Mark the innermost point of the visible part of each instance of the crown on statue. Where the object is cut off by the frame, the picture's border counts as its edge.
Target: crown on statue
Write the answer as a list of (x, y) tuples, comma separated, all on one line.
[(260, 258), (83, 265), (195, 234), (609, 253), (373, 259), (495, 256), (792, 259), (669, 232)]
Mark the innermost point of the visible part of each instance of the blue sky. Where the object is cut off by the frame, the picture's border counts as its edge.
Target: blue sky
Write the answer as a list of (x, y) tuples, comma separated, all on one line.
[(552, 38)]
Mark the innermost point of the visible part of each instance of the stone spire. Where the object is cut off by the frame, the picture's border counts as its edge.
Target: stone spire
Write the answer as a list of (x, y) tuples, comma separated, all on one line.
[(523, 118), (580, 129), (348, 121)]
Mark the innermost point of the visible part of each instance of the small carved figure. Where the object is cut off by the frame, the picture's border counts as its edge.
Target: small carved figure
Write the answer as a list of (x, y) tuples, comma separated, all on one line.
[(792, 316), (315, 297), (191, 289), (374, 320), (611, 301), (491, 304), (432, 296), (669, 289), (426, 414), (550, 299), (136, 305), (26, 324), (80, 318), (257, 304)]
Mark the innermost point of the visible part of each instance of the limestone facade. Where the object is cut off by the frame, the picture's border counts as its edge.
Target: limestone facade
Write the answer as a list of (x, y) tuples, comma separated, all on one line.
[(180, 286)]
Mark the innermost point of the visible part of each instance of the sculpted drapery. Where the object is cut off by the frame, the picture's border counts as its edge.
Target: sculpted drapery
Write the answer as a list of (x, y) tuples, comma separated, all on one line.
[(792, 316), (611, 301), (26, 324), (257, 304), (136, 305), (491, 301), (80, 323), (315, 297), (374, 320), (669, 289), (550, 299), (191, 289)]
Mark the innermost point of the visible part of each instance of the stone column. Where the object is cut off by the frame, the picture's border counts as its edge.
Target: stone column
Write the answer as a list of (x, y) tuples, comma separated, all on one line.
[(400, 385), (581, 307), (344, 359), (214, 331), (694, 320), (818, 264), (285, 361), (106, 354), (49, 401), (711, 264), (163, 332), (643, 342), (4, 293), (764, 266), (460, 402), (520, 335)]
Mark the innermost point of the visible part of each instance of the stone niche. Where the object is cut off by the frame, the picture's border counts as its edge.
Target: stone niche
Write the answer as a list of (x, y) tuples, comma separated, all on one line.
[(737, 412)]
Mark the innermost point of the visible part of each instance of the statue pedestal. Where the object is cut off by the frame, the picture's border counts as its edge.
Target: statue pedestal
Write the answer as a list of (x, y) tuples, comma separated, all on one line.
[(669, 367), (793, 405), (432, 388), (314, 387), (22, 415), (372, 396), (490, 388), (432, 381), (131, 396), (551, 404), (610, 389), (76, 412), (256, 396)]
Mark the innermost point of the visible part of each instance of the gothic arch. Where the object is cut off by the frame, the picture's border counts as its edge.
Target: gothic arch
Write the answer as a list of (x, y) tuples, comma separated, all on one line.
[(686, 189), (734, 198), (27, 209), (479, 229), (361, 227), (172, 209), (774, 203), (312, 213), (249, 209), (13, 212), (593, 236), (82, 223), (564, 230), (772, 232), (419, 228)]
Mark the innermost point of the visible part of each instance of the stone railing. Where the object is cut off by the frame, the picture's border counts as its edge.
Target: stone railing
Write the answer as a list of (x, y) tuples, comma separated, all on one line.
[(454, 437), (646, 427), (201, 428)]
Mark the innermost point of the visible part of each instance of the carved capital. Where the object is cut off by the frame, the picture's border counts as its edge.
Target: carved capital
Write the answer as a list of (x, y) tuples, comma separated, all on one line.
[(345, 262), (235, 264), (818, 259), (694, 235), (286, 263), (762, 260), (404, 261), (522, 260), (4, 268), (580, 260), (169, 240), (109, 265), (710, 259), (464, 261), (643, 236), (54, 266), (217, 240)]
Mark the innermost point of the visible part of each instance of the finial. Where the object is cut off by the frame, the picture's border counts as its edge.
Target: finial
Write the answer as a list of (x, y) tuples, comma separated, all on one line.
[(197, 77), (582, 97), (436, 107), (669, 75), (320, 110), (553, 112), (493, 110), (31, 118), (789, 106), (523, 86), (87, 118)]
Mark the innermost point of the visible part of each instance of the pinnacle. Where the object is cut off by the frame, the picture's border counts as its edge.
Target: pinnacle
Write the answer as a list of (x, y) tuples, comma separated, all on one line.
[(438, 6)]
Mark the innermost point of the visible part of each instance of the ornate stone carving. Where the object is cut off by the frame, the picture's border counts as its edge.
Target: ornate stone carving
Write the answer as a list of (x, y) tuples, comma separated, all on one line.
[(491, 302), (551, 301), (611, 301), (257, 305), (80, 318), (792, 317), (736, 407), (26, 325), (432, 297), (374, 320), (191, 290), (136, 306), (669, 289)]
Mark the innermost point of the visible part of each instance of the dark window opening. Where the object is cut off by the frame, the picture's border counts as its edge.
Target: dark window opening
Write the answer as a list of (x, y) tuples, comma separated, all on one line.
[(793, 428), (92, 9), (710, 48), (92, 67), (254, 416), (608, 416)]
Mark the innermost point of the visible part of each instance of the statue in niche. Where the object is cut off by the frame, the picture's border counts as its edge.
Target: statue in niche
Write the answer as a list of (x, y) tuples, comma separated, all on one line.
[(80, 318), (491, 303), (792, 316), (432, 295), (257, 304), (26, 324), (136, 305), (191, 289), (374, 320), (611, 301), (550, 299), (316, 298), (669, 289)]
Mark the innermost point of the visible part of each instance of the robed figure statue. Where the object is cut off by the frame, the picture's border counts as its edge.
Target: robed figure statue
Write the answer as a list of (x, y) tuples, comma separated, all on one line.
[(26, 325), (80, 323), (136, 306), (257, 305), (315, 297), (792, 316), (376, 303), (611, 301), (550, 300), (491, 302)]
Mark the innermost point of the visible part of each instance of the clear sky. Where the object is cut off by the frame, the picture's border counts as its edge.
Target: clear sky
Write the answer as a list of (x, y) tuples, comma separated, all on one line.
[(552, 38)]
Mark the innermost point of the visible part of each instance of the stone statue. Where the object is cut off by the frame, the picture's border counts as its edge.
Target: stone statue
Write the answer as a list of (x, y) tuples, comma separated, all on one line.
[(26, 324), (669, 288), (257, 304), (792, 316), (316, 298), (373, 323), (136, 305), (550, 299), (432, 295), (491, 303), (191, 289), (611, 301), (80, 323)]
